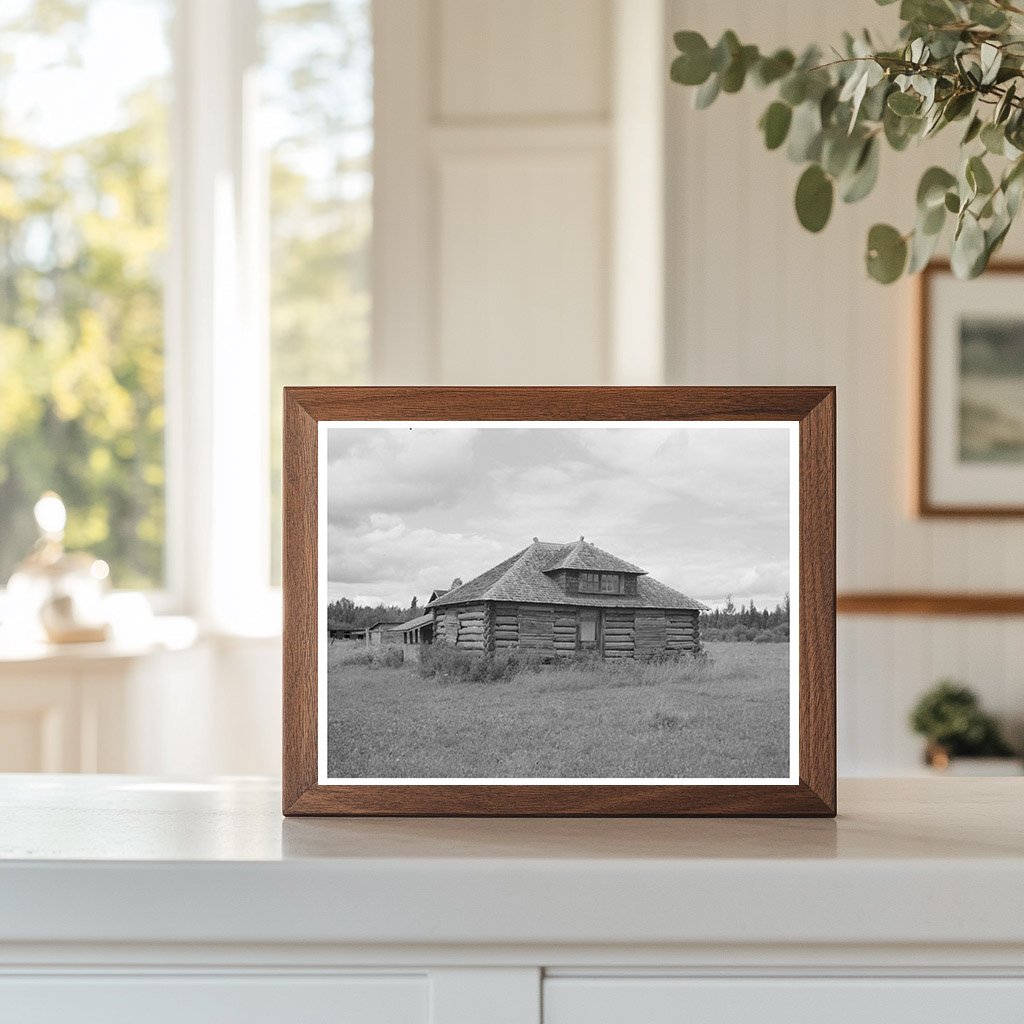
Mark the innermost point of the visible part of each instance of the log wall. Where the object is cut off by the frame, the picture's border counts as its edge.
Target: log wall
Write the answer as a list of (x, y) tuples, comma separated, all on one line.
[(537, 627), (681, 631), (619, 632), (471, 627), (651, 632), (627, 632), (506, 626), (564, 630)]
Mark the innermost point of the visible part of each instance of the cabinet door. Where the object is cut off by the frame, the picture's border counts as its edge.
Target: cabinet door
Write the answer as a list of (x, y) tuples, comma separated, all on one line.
[(783, 1001), (202, 999)]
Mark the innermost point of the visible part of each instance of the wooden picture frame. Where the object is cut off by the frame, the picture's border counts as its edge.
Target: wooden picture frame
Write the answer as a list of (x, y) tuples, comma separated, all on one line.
[(939, 490), (810, 790)]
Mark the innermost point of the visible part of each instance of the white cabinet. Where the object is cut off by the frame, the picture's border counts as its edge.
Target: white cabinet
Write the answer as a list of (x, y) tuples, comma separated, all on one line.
[(829, 1000), (216, 1000), (133, 899)]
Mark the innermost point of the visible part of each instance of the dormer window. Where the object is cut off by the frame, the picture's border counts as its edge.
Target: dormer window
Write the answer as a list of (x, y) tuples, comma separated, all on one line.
[(601, 583)]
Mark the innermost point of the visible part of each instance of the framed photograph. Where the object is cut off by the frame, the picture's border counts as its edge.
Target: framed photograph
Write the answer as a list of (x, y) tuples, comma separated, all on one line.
[(970, 451), (559, 601)]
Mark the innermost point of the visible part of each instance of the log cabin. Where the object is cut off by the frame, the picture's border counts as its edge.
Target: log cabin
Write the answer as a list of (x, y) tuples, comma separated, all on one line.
[(566, 599)]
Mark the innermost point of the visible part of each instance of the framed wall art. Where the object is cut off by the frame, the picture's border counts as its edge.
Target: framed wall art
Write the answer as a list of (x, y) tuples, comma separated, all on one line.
[(559, 601), (970, 445)]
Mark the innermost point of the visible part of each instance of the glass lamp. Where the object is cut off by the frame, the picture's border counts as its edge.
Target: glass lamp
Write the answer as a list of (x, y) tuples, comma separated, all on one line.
[(55, 595)]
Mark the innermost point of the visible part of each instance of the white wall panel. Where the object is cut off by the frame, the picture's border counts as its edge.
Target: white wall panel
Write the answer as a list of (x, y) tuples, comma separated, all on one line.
[(530, 58), (754, 299), (522, 283)]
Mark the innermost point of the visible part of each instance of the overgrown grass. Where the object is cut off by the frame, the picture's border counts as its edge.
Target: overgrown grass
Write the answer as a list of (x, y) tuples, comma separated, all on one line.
[(726, 716)]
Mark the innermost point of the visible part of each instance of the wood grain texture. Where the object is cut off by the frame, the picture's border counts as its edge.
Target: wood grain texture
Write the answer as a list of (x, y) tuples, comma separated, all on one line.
[(812, 407), (923, 503), (925, 603)]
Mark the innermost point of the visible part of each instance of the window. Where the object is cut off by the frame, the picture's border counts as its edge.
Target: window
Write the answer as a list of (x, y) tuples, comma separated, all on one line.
[(83, 239), (611, 583), (317, 125), (588, 627), (225, 148), (589, 582)]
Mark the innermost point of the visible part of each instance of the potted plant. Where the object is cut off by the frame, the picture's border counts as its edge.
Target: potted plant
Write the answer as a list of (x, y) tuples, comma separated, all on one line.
[(956, 62), (950, 717)]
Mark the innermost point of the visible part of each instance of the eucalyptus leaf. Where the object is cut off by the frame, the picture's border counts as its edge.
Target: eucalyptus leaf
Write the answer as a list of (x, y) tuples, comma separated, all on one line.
[(865, 174), (771, 69), (993, 138), (973, 130), (922, 248), (931, 190), (724, 51), (794, 88), (775, 124), (735, 74), (1005, 105), (886, 253), (968, 248), (991, 61), (903, 103), (987, 15), (805, 133), (978, 176), (707, 93), (814, 196)]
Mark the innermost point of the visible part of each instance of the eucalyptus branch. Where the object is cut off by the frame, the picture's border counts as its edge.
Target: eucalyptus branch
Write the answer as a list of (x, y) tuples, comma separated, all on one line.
[(954, 58)]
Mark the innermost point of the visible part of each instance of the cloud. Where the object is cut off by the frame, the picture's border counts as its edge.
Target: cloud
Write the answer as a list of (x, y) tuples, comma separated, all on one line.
[(375, 470), (704, 510)]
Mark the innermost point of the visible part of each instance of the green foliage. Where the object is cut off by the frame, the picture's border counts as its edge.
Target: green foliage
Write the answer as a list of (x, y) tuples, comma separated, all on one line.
[(956, 60), (949, 716), (82, 235)]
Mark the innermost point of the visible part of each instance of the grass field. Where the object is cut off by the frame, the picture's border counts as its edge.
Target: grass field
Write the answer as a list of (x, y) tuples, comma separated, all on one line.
[(727, 717)]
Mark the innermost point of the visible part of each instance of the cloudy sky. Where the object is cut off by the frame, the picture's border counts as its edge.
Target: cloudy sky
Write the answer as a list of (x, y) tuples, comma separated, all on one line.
[(705, 510)]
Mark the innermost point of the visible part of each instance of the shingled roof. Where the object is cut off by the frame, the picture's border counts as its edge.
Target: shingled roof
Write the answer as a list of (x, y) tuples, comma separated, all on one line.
[(581, 554), (522, 579)]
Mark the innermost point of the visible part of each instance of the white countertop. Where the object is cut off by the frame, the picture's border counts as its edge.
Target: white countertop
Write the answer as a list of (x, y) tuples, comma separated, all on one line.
[(120, 859)]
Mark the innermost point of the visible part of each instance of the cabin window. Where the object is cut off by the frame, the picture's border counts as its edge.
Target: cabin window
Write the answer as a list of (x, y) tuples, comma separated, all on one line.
[(611, 583), (589, 629), (590, 582)]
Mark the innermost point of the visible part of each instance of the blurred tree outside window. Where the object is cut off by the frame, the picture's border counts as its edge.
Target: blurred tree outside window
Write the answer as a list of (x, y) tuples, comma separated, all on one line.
[(317, 122), (83, 238)]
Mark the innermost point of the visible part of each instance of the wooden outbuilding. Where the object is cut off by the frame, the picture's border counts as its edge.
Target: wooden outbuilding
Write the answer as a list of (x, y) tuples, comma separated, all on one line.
[(381, 633), (567, 599), (346, 632), (416, 631)]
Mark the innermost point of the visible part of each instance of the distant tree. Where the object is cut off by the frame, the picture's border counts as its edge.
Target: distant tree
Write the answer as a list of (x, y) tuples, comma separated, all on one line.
[(456, 583), (730, 608), (414, 603)]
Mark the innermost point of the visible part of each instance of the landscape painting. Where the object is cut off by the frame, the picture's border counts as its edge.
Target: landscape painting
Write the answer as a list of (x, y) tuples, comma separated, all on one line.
[(548, 602), (991, 389)]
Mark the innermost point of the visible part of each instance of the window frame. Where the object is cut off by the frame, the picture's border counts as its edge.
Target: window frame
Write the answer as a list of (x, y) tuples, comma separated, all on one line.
[(215, 319), (616, 578), (586, 575)]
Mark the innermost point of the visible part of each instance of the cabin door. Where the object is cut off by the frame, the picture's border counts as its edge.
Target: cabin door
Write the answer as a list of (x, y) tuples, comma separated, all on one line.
[(590, 629)]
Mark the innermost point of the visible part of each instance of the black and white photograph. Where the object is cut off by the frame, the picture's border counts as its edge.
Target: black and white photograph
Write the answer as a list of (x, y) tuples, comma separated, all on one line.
[(545, 602), (992, 389), (971, 415)]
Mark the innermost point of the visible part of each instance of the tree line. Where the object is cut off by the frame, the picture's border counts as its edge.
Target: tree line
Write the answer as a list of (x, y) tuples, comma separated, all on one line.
[(345, 612), (747, 623)]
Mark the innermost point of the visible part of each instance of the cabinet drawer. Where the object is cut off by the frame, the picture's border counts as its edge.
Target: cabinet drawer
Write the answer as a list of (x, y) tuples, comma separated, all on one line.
[(782, 1001), (202, 999)]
